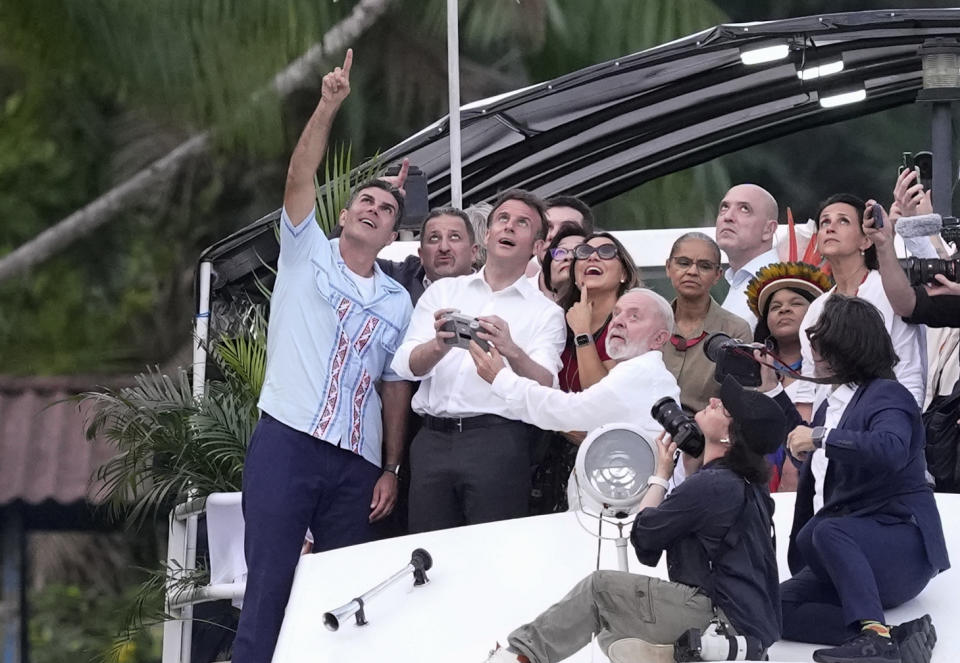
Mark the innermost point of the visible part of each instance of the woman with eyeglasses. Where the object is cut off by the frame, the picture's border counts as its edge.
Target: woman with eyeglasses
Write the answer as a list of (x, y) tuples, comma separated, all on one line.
[(554, 277), (600, 272), (693, 268)]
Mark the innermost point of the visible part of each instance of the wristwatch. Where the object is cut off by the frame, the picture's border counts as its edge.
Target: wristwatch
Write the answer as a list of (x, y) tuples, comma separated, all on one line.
[(392, 468), (817, 435), (582, 340)]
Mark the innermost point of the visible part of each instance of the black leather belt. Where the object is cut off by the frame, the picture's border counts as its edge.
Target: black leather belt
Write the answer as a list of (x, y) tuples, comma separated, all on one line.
[(460, 424)]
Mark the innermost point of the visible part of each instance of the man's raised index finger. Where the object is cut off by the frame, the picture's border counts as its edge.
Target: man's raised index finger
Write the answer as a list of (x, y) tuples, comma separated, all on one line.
[(348, 62), (402, 175)]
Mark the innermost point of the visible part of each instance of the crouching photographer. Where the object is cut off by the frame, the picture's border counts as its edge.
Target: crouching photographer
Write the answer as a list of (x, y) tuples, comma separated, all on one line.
[(926, 293), (721, 601)]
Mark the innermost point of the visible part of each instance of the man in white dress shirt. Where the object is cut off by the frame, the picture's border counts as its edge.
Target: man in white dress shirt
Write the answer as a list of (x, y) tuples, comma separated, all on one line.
[(746, 224), (642, 322), (470, 463)]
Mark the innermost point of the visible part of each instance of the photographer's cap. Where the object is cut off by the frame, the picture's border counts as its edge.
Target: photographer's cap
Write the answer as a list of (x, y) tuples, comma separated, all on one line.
[(762, 421)]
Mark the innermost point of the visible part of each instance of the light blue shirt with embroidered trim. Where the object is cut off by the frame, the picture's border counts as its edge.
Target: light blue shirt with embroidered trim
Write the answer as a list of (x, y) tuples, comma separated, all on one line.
[(327, 344)]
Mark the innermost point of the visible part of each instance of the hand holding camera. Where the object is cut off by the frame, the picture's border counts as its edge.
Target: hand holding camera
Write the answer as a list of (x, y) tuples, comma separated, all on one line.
[(455, 330)]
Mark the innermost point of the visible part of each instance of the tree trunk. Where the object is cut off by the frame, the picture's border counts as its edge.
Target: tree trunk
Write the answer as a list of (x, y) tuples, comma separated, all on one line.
[(101, 210)]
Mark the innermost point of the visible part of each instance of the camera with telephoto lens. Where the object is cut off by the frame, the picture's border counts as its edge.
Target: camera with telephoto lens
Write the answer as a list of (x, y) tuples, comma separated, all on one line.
[(733, 357), (681, 426), (921, 271), (715, 644)]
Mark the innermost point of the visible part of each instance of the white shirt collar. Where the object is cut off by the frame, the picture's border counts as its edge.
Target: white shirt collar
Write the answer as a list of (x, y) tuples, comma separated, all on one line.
[(754, 265)]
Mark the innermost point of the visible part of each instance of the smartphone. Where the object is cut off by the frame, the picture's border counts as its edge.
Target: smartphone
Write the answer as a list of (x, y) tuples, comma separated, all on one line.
[(906, 162), (924, 163), (876, 212)]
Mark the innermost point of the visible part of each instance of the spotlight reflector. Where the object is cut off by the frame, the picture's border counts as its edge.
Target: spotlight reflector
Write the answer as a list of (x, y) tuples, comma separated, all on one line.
[(819, 71), (769, 53), (843, 98), (612, 468)]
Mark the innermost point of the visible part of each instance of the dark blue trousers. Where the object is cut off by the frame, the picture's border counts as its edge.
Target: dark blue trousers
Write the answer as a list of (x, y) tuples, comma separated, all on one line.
[(855, 568), (292, 481)]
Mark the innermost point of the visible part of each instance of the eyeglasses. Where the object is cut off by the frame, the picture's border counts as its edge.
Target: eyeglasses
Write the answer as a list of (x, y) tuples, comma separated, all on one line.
[(561, 254), (687, 263), (604, 251)]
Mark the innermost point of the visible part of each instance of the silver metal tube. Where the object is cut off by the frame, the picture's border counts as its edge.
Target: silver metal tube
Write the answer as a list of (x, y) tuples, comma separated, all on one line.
[(333, 618)]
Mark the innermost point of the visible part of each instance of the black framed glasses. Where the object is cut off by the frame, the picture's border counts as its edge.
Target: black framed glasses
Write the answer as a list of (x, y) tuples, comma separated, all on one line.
[(702, 265), (604, 251)]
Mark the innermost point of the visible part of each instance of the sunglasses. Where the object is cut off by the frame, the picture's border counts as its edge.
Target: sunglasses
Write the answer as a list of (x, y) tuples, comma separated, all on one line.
[(604, 251)]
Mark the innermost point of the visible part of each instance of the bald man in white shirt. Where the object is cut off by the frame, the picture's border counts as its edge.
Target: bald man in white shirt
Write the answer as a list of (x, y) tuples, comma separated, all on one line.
[(746, 225)]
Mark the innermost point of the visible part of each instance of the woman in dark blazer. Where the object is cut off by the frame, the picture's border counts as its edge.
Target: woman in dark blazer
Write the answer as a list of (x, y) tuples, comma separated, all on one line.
[(866, 531)]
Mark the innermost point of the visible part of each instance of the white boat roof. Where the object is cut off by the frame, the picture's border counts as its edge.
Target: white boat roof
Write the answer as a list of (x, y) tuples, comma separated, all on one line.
[(489, 579)]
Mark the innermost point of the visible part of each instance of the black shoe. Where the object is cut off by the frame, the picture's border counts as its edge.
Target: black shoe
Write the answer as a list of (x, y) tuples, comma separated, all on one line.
[(923, 625), (866, 647), (916, 639)]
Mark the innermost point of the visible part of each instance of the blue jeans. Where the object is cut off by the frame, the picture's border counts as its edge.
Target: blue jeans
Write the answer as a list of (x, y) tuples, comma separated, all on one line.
[(292, 481)]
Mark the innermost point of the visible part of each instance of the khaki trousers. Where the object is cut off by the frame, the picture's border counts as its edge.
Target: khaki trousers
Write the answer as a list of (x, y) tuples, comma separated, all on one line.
[(613, 605)]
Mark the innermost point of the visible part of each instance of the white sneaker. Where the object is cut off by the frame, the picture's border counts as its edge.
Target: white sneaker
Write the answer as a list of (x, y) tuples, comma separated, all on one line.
[(634, 650), (501, 655)]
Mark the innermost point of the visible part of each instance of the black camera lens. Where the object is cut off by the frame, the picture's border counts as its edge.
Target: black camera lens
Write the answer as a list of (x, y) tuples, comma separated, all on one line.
[(681, 426), (924, 270)]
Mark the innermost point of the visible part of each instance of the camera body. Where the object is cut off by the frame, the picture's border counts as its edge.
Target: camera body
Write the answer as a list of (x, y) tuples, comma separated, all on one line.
[(734, 358), (464, 328), (921, 271), (681, 426)]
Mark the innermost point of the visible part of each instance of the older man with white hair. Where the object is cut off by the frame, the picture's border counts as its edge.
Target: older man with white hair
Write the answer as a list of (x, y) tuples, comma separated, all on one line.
[(642, 322)]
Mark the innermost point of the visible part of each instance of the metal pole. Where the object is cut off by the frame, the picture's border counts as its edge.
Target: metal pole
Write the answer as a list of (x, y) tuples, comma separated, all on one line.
[(188, 547), (453, 88), (941, 134), (201, 332)]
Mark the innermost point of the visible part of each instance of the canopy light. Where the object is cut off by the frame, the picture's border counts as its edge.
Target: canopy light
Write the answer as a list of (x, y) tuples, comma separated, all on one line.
[(819, 71), (941, 63), (843, 98), (765, 54)]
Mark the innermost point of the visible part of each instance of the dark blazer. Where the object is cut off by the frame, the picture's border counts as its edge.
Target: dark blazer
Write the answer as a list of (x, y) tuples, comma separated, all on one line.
[(408, 273), (876, 468)]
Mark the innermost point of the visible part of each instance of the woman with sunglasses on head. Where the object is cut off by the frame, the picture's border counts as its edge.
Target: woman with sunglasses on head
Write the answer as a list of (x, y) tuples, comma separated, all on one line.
[(554, 276), (866, 531), (693, 268), (853, 263)]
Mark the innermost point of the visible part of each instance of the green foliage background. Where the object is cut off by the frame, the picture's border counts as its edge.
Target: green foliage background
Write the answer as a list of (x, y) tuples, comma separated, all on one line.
[(91, 92)]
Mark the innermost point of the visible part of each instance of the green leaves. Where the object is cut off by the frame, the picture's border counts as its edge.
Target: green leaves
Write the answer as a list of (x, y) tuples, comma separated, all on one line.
[(168, 442), (334, 193)]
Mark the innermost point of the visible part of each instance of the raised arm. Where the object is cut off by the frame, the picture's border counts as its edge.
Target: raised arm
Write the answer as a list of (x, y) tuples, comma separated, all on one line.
[(299, 197), (895, 284)]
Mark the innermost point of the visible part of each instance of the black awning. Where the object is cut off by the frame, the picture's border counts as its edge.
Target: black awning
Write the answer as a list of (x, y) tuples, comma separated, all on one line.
[(608, 128)]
